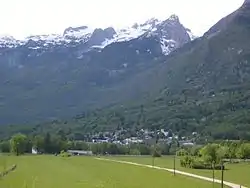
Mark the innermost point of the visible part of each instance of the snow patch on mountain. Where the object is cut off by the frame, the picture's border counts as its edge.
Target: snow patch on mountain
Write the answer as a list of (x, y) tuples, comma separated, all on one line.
[(99, 38), (130, 33), (167, 46), (173, 17), (8, 41), (191, 35), (49, 38)]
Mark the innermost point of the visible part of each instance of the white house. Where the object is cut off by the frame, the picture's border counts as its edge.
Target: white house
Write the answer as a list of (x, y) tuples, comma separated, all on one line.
[(34, 151)]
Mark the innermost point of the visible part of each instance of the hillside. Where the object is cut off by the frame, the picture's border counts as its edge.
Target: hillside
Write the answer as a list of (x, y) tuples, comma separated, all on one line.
[(202, 86), (58, 76)]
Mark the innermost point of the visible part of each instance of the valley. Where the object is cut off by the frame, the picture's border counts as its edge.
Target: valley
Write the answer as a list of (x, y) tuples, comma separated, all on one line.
[(147, 105)]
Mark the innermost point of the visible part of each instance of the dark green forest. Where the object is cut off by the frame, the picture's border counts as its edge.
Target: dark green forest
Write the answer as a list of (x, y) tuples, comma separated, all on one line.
[(222, 115)]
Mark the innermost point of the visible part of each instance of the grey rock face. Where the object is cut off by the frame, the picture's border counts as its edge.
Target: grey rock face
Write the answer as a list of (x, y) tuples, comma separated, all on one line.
[(247, 1), (109, 32), (100, 35), (152, 22), (172, 29), (246, 4), (70, 29)]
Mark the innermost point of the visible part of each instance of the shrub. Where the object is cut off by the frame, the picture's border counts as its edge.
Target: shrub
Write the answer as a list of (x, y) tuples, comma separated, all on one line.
[(183, 164), (200, 165), (196, 163), (64, 154), (156, 154), (182, 152), (186, 161)]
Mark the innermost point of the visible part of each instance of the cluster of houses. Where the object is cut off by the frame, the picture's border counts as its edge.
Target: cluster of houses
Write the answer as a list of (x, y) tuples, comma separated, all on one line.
[(140, 137), (143, 136)]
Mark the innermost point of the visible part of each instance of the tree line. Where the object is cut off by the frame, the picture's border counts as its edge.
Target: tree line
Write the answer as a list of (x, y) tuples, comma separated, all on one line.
[(52, 144), (214, 155), (207, 155)]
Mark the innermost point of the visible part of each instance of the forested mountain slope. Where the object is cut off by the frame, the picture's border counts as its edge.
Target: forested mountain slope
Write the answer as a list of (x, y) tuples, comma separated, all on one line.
[(202, 86), (58, 76)]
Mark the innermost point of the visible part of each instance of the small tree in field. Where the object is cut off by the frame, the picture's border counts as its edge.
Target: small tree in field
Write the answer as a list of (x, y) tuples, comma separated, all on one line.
[(244, 151), (18, 144), (210, 154)]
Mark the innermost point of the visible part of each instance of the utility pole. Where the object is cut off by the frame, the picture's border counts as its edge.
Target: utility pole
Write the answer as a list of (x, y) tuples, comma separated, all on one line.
[(153, 154), (175, 153), (154, 150), (213, 172), (222, 174), (174, 164), (153, 159)]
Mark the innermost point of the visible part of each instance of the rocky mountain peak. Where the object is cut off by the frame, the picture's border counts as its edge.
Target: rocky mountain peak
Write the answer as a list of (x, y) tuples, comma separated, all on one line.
[(110, 32), (7, 37), (79, 61), (74, 30), (135, 25), (174, 18), (172, 30), (247, 2), (243, 11), (99, 36), (152, 22), (70, 29)]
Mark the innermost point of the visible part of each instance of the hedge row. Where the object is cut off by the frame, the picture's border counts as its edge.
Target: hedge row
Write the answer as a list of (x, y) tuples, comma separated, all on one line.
[(195, 163)]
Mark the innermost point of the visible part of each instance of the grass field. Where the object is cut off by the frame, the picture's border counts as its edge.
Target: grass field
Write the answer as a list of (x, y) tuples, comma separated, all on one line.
[(74, 172), (3, 162), (235, 173)]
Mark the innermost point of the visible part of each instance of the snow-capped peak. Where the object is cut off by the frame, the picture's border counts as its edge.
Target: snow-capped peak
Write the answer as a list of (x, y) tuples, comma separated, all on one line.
[(174, 17), (51, 37), (100, 38), (152, 22), (8, 41), (7, 37), (78, 32), (129, 33)]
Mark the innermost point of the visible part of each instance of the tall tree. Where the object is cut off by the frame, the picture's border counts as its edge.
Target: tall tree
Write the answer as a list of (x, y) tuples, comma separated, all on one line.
[(18, 144), (47, 143), (5, 147)]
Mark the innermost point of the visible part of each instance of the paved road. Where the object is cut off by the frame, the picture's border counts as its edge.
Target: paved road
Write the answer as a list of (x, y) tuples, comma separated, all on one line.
[(229, 184)]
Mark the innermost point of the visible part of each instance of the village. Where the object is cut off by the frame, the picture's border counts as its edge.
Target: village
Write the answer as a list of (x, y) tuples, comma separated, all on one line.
[(143, 136)]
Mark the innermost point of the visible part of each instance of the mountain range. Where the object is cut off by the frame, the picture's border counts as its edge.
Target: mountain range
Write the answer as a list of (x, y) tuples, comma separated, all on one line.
[(160, 79), (97, 38), (51, 76)]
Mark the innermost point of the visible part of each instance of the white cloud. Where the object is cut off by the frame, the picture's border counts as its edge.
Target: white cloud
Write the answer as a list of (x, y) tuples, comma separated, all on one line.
[(26, 17)]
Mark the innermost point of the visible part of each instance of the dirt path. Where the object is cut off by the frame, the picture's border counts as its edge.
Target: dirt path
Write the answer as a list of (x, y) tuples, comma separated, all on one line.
[(229, 184)]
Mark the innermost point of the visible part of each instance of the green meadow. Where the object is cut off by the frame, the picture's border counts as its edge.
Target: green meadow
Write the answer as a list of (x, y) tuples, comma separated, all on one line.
[(238, 173), (75, 172)]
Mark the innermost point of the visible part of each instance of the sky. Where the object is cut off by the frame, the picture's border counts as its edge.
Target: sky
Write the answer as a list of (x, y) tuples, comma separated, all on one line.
[(21, 18)]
